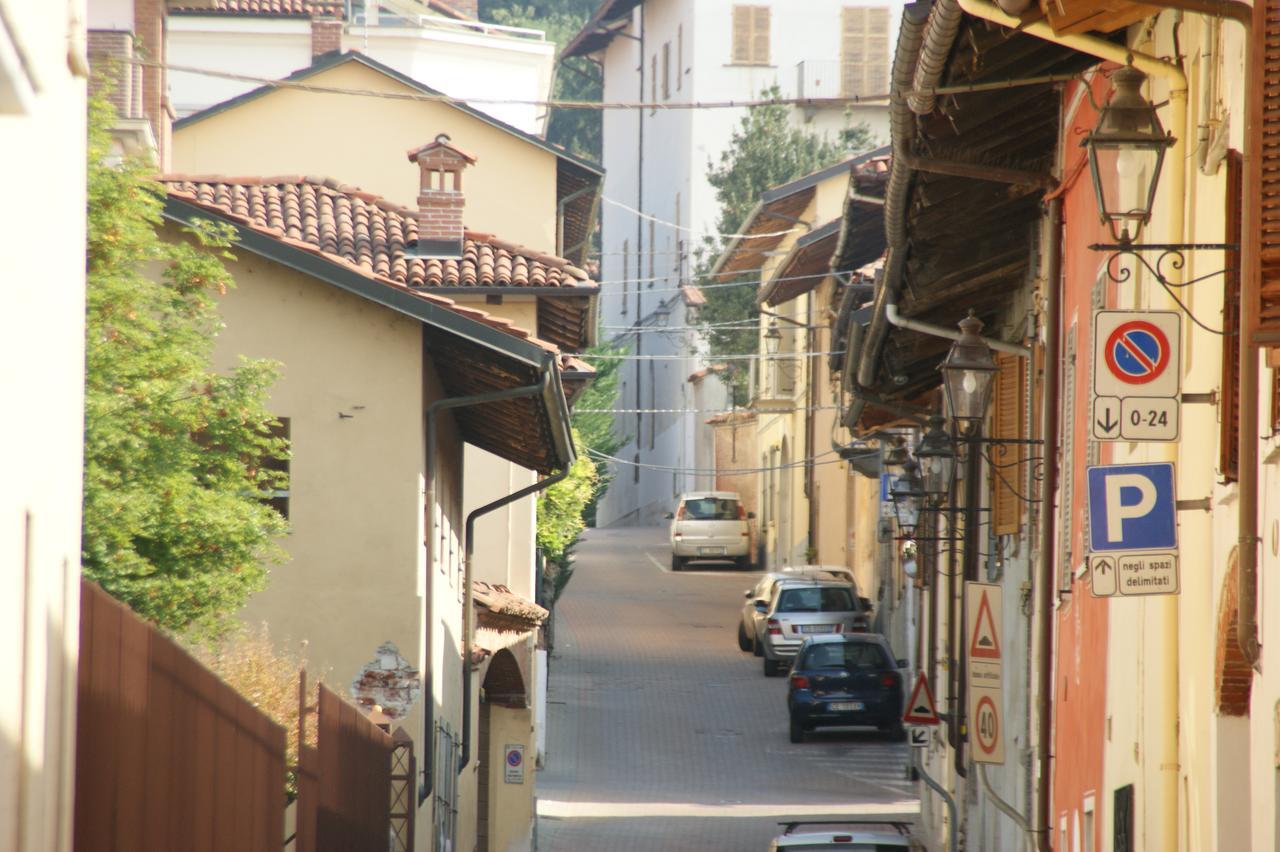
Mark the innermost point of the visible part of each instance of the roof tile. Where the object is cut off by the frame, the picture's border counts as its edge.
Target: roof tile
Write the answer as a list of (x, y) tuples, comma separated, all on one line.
[(368, 232)]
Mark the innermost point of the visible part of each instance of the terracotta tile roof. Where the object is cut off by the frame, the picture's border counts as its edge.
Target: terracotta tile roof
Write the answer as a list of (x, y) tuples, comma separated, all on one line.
[(361, 229), (292, 8), (266, 8), (693, 296), (500, 609)]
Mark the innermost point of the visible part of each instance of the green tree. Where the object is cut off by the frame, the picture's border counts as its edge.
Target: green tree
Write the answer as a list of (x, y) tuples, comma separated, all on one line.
[(577, 79), (593, 418), (560, 517), (174, 521), (765, 150)]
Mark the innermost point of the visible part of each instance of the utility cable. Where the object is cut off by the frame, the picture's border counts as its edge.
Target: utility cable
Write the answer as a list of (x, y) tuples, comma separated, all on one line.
[(739, 409), (813, 460), (748, 356), (689, 230)]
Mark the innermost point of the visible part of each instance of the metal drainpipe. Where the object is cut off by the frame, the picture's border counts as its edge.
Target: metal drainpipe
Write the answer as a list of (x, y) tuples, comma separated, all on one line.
[(1046, 581), (1003, 806), (469, 546), (898, 320), (428, 621)]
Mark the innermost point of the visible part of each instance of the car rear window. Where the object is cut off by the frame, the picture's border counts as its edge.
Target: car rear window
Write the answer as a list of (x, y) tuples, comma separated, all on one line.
[(846, 655), (815, 600), (710, 509)]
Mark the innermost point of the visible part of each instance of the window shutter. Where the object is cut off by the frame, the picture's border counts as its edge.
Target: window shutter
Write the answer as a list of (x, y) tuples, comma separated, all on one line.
[(864, 50), (1267, 147), (666, 70), (742, 16), (1008, 419), (1229, 406), (760, 35)]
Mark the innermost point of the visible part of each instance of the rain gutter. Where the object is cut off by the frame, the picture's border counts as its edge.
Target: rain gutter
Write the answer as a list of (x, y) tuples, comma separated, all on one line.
[(549, 382)]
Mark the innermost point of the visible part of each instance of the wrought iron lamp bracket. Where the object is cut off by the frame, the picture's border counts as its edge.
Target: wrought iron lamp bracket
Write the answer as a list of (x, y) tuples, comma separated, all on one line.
[(1168, 258)]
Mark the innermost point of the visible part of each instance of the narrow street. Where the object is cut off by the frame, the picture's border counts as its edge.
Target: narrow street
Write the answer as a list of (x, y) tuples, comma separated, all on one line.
[(664, 736)]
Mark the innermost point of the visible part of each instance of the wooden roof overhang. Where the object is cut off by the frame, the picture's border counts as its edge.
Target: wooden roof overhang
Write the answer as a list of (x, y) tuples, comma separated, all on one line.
[(470, 355), (765, 229), (804, 267), (566, 320), (980, 165)]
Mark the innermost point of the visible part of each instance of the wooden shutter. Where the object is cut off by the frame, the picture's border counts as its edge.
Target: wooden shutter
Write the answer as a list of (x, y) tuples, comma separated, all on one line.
[(864, 50), (1008, 416), (760, 35), (1229, 398), (741, 35), (666, 70), (751, 35), (1266, 141), (679, 57)]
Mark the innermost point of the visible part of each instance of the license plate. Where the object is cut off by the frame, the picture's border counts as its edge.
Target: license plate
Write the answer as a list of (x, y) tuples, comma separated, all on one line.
[(711, 551), (844, 705), (816, 628)]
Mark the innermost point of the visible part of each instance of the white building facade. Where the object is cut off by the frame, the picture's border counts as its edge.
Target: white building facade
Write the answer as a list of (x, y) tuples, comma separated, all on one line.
[(656, 161), (460, 57)]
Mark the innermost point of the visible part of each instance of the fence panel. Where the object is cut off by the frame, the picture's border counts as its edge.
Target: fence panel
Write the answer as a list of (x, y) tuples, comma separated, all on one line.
[(353, 810), (167, 756)]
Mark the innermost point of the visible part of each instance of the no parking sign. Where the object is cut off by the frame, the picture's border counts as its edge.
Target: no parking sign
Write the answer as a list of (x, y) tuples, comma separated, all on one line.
[(1137, 375), (513, 763)]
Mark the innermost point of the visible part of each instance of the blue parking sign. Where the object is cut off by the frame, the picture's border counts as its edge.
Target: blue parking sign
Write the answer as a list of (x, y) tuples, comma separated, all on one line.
[(1132, 507)]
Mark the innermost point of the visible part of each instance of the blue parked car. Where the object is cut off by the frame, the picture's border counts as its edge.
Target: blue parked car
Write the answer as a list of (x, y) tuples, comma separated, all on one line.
[(846, 680)]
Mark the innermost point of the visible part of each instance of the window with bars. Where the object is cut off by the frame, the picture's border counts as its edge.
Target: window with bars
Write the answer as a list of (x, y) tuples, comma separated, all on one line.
[(626, 275), (666, 70), (445, 815), (864, 50), (750, 35), (1008, 420)]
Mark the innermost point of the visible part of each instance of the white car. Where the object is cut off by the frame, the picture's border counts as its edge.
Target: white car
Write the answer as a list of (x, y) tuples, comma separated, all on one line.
[(849, 835), (710, 525)]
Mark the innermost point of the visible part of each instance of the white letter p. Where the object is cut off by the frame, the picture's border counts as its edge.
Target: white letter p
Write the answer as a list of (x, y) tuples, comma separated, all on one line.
[(1117, 511)]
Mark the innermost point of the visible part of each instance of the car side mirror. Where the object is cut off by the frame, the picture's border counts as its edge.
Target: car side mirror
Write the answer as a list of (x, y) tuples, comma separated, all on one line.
[(865, 603), (747, 594), (669, 516), (751, 516), (902, 664), (762, 606)]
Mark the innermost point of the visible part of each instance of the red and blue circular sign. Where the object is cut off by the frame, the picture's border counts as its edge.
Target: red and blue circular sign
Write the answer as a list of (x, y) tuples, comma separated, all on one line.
[(1137, 352), (514, 758)]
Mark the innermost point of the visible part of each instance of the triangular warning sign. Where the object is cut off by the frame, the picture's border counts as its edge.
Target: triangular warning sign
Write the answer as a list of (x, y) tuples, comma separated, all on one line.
[(920, 708), (985, 644)]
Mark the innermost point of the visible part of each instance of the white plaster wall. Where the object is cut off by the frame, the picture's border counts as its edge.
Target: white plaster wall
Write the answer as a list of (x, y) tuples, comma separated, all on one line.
[(42, 380), (668, 170), (110, 15), (460, 63)]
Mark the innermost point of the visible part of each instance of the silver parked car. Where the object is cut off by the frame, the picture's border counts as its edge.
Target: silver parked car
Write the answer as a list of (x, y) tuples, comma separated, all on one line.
[(848, 835), (803, 608), (710, 525), (751, 622)]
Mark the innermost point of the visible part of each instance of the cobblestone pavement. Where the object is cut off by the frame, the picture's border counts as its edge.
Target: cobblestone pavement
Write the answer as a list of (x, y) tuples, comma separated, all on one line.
[(664, 736)]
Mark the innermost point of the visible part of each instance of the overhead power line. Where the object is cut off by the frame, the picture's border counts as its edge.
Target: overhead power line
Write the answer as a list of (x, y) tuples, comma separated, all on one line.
[(749, 356), (806, 462), (688, 230)]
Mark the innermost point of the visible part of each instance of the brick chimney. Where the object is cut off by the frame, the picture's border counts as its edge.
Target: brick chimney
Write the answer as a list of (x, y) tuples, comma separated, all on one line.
[(440, 198), (326, 33)]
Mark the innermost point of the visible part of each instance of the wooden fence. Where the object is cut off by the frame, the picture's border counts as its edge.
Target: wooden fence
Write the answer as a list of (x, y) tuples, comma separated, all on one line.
[(345, 782), (168, 757)]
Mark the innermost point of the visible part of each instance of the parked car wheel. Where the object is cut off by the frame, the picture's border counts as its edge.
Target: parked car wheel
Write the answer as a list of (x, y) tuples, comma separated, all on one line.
[(744, 641), (742, 563), (677, 562), (772, 668), (797, 731), (895, 733), (755, 647)]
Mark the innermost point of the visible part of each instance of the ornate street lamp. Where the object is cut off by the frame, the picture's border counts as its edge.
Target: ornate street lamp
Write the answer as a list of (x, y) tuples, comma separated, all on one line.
[(896, 453), (967, 374), (1127, 142), (772, 338), (937, 457), (908, 498)]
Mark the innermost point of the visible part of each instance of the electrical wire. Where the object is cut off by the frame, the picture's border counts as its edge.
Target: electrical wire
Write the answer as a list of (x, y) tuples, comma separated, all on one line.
[(693, 410), (755, 282), (688, 230), (807, 462), (749, 356), (429, 97)]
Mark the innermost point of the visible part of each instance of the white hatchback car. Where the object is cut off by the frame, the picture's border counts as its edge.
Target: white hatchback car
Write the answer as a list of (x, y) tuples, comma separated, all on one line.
[(849, 835), (710, 525)]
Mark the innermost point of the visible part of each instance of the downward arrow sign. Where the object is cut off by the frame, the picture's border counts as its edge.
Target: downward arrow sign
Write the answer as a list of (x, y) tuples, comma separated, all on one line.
[(1107, 425)]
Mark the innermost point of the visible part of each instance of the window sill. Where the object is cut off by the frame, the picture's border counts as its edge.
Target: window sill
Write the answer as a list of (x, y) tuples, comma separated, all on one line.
[(749, 65)]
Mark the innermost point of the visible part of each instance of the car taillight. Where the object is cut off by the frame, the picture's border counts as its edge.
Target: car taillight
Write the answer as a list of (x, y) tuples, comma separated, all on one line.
[(799, 682), (775, 628), (742, 512), (889, 679), (842, 838)]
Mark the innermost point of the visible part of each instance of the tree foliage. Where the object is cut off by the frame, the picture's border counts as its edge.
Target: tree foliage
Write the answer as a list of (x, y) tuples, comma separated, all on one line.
[(594, 419), (174, 521), (577, 79), (765, 150)]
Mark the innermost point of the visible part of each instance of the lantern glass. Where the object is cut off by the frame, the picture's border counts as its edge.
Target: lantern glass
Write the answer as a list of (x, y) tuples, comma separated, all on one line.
[(937, 458), (772, 338), (967, 374), (908, 494), (1126, 151)]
